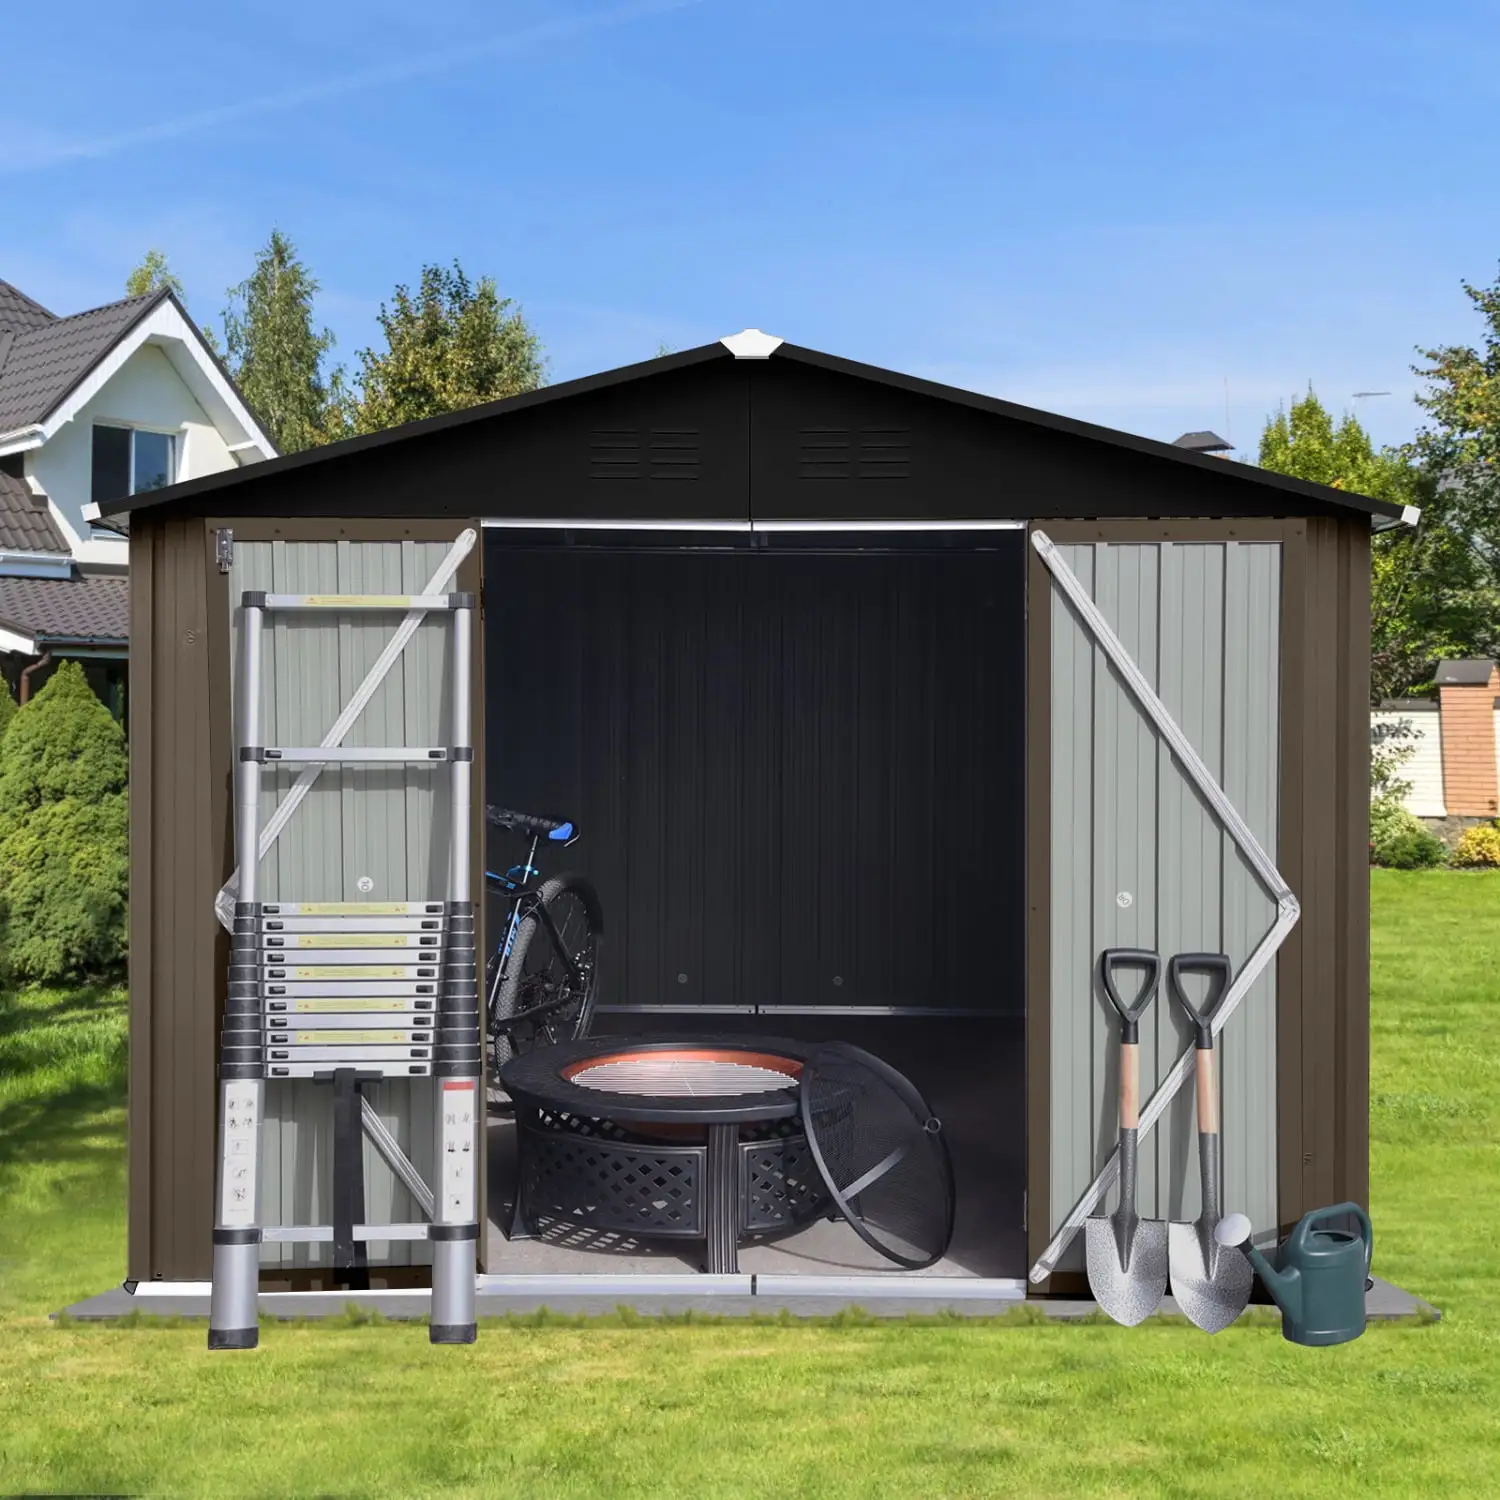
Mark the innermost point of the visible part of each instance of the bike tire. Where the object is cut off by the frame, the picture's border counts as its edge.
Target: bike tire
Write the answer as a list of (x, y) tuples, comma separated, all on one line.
[(573, 904)]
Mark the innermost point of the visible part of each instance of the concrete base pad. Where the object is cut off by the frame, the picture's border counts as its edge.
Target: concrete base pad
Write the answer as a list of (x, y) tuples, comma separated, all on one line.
[(725, 1297)]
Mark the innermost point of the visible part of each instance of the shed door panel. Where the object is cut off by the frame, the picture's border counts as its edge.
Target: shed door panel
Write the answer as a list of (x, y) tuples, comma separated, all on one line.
[(388, 824), (1138, 860)]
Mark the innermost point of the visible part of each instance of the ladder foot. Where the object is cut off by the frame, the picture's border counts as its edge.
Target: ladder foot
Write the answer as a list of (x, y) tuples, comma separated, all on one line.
[(233, 1338)]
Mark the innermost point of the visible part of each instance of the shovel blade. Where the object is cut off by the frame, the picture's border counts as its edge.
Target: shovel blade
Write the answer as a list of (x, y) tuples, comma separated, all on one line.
[(1211, 1292), (1128, 1293)]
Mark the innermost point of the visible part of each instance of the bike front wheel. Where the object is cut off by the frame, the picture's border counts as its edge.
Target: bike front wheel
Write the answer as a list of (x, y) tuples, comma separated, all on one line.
[(547, 992)]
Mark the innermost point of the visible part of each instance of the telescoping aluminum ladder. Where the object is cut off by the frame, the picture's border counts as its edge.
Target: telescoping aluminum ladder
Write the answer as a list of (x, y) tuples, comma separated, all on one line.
[(344, 992)]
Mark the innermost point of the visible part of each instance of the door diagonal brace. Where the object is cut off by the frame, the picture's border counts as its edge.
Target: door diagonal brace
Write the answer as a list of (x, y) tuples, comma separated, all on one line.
[(1288, 910)]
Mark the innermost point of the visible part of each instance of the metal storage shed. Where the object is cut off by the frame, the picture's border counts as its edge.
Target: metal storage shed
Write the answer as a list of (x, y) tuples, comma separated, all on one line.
[(1032, 814)]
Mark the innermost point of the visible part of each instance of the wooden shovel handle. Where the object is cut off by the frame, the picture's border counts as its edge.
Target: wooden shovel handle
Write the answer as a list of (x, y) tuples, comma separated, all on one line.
[(1208, 1095), (1130, 1085)]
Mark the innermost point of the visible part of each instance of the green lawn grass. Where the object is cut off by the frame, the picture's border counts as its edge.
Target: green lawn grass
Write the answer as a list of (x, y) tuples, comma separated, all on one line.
[(1012, 1408)]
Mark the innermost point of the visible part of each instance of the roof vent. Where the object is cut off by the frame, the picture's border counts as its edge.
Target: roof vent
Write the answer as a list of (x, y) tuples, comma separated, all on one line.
[(751, 343), (1203, 442)]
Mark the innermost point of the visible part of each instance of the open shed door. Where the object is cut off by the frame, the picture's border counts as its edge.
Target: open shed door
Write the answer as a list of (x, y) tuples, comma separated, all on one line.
[(374, 833), (1149, 852)]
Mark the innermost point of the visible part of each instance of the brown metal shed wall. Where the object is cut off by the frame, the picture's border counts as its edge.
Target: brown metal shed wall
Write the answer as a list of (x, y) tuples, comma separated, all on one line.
[(1323, 981), (179, 811)]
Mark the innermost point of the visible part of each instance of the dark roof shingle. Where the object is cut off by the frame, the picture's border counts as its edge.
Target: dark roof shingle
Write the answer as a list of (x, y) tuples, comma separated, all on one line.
[(19, 313), (47, 361), (26, 524), (93, 608)]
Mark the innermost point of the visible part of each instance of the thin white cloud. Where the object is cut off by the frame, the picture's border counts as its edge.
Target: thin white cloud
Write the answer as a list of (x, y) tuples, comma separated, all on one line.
[(43, 150)]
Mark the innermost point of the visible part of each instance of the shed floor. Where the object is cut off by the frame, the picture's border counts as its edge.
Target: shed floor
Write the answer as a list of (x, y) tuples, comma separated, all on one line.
[(499, 1297)]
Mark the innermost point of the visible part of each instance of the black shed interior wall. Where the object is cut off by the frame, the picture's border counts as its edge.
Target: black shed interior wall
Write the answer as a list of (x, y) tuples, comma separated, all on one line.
[(799, 778), (798, 773)]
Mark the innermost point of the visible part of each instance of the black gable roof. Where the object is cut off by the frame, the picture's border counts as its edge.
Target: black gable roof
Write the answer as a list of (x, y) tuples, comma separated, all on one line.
[(703, 435)]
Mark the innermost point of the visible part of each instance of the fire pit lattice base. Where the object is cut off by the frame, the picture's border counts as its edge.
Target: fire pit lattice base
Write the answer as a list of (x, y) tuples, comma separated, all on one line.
[(596, 1173)]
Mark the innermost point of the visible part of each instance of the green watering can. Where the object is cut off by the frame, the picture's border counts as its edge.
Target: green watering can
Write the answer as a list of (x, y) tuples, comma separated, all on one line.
[(1317, 1276)]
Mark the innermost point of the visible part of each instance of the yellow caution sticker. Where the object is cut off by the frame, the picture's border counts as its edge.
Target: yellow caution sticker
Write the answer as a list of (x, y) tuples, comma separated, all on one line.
[(357, 601), (353, 1038), (347, 971), (323, 1007), (363, 940), (354, 909)]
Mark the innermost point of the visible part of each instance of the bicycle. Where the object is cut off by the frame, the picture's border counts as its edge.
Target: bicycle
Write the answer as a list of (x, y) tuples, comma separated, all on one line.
[(542, 978)]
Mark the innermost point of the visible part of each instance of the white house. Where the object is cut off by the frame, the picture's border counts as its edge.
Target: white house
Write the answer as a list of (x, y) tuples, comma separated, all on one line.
[(109, 402)]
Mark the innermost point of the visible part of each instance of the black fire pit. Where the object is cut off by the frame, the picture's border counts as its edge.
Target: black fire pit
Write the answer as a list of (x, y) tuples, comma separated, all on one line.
[(681, 1137)]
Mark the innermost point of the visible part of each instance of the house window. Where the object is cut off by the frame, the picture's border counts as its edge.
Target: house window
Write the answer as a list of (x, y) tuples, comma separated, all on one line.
[(129, 461)]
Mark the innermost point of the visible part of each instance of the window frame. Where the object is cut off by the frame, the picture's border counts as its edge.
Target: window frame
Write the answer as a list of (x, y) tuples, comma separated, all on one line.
[(173, 436)]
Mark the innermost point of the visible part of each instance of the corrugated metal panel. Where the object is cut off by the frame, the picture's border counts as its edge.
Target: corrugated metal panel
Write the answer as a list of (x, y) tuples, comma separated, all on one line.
[(1138, 861), (1425, 769), (790, 788), (389, 824)]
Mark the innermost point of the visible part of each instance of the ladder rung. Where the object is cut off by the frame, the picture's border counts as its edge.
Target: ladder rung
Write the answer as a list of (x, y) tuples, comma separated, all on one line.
[(280, 969), (363, 954), (334, 929), (361, 601), (396, 1005), (332, 989), (342, 909), (300, 1068), (309, 1234), (350, 1056), (365, 1036), (338, 755), (345, 1020)]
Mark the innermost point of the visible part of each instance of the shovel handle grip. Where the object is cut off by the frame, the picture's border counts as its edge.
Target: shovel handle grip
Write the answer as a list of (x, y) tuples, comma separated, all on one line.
[(1133, 958), (1217, 967), (1130, 1086), (1208, 1095)]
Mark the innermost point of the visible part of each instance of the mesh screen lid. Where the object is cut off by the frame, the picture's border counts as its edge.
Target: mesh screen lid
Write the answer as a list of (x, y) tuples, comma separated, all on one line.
[(881, 1153)]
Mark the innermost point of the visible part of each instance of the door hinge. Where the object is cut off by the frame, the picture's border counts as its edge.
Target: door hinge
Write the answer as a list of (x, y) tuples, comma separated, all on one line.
[(1024, 1224), (224, 549)]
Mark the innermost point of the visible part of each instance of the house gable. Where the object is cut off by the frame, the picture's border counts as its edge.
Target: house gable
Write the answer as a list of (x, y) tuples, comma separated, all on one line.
[(144, 391)]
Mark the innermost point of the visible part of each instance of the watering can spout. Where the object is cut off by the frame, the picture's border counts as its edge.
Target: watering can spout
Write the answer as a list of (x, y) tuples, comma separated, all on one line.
[(1285, 1287), (1233, 1233)]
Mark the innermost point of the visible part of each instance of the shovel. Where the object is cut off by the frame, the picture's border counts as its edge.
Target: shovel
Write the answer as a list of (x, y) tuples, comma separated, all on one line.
[(1211, 1284), (1127, 1255)]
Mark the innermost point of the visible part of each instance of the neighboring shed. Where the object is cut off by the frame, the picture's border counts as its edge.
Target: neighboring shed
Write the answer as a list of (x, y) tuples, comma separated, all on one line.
[(848, 761)]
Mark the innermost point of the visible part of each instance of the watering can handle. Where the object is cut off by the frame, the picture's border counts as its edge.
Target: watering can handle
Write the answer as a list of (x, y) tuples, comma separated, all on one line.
[(1133, 958), (1304, 1228)]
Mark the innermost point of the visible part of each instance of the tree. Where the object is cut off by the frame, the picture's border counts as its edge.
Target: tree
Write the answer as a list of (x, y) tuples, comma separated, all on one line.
[(273, 352), (1462, 445), (152, 275), (1305, 444), (1425, 599), (63, 835), (450, 346)]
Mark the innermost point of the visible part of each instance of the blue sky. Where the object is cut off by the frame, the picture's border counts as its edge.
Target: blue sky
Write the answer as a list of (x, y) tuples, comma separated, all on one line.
[(1101, 208)]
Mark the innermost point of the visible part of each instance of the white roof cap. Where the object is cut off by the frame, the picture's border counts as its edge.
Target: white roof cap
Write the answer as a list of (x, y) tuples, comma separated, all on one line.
[(751, 343)]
